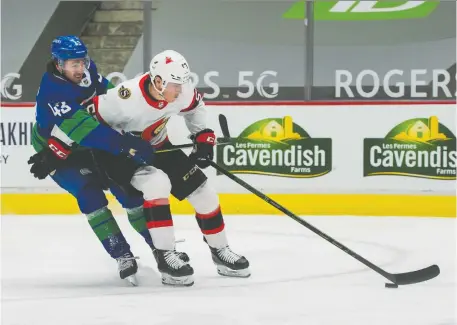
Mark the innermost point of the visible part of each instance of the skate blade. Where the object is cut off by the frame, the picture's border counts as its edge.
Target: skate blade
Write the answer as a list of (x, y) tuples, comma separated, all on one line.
[(132, 280), (183, 281), (225, 271)]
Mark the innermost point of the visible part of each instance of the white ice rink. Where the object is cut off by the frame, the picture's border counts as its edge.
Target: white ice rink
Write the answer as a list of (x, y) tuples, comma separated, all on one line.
[(55, 272)]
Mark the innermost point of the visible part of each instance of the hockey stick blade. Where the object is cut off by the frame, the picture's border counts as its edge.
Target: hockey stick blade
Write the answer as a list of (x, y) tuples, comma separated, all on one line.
[(421, 275), (399, 278), (224, 126)]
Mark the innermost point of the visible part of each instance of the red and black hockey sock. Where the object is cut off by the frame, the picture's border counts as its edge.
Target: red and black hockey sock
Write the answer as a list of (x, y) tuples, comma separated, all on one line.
[(209, 216), (213, 228), (160, 223), (210, 223)]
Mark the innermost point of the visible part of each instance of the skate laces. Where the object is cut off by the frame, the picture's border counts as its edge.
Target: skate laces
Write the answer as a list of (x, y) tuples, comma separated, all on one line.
[(172, 258), (227, 255), (125, 261)]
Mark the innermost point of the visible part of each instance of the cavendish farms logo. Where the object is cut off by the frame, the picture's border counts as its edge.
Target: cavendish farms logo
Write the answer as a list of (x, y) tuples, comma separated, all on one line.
[(418, 147), (363, 10), (278, 147)]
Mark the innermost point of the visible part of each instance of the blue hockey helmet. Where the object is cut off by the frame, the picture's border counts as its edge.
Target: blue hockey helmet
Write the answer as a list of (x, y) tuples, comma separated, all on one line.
[(68, 47)]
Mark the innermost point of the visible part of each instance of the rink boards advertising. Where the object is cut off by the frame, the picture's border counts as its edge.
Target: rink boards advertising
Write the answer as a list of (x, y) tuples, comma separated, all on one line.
[(324, 158)]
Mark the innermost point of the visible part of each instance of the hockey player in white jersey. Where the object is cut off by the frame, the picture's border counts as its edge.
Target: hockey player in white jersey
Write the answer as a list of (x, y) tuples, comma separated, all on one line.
[(142, 106)]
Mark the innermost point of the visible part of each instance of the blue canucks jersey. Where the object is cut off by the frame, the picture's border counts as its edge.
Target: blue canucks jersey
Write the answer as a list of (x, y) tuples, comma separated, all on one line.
[(60, 105)]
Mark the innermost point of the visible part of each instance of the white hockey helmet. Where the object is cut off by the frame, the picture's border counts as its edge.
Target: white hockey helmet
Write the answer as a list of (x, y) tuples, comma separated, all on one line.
[(171, 67)]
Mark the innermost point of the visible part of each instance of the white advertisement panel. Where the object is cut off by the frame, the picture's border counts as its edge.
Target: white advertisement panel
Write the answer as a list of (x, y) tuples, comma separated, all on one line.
[(298, 148), (16, 148)]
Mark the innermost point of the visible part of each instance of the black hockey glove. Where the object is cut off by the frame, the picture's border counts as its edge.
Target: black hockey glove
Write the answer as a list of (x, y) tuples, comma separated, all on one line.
[(203, 151), (137, 149), (49, 159)]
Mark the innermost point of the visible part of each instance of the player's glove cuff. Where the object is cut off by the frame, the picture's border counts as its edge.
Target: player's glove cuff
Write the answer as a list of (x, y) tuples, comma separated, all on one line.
[(60, 149), (138, 149), (203, 150)]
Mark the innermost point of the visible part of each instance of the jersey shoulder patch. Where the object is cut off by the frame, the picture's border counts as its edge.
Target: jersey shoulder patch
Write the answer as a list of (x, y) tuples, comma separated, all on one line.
[(124, 92), (129, 89)]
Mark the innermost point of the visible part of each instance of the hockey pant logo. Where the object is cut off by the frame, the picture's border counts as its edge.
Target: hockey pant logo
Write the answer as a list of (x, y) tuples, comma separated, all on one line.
[(190, 173)]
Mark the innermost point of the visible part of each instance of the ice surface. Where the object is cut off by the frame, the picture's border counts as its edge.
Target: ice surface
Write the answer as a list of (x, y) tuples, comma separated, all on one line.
[(54, 271)]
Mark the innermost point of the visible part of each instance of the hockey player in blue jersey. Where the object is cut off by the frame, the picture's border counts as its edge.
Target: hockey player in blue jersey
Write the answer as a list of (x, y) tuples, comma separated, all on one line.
[(64, 126)]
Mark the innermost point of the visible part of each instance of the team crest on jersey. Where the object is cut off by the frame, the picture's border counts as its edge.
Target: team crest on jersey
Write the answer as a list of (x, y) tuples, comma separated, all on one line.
[(161, 126), (124, 93), (154, 129)]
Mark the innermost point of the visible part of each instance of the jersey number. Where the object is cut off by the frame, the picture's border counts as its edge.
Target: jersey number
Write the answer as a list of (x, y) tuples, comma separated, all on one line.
[(60, 108)]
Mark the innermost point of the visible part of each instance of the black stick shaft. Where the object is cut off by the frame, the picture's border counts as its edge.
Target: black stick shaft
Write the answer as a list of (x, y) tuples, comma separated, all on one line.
[(177, 147), (302, 222), (180, 146)]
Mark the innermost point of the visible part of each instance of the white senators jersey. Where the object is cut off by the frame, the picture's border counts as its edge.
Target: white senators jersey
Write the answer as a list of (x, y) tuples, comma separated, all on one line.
[(130, 108)]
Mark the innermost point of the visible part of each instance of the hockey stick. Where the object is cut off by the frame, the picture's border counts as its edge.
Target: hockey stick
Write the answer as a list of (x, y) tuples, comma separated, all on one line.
[(180, 146), (396, 278), (177, 147)]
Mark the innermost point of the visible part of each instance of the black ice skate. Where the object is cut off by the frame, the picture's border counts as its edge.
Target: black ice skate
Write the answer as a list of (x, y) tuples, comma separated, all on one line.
[(183, 256), (229, 263), (128, 267), (174, 270)]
